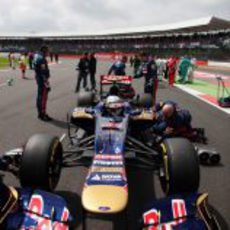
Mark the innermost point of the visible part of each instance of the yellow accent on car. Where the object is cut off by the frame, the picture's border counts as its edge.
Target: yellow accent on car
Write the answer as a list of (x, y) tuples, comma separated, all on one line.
[(81, 114), (166, 167), (145, 115), (104, 198), (9, 205)]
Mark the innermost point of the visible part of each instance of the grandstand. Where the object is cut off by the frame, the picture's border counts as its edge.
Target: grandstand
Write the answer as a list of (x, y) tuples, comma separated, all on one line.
[(206, 38)]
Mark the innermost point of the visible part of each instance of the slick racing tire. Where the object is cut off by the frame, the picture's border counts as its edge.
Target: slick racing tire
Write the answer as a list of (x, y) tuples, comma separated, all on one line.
[(144, 100), (85, 99), (41, 162), (180, 172)]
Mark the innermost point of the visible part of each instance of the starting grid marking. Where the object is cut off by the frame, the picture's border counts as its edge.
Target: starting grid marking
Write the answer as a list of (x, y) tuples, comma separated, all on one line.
[(203, 97)]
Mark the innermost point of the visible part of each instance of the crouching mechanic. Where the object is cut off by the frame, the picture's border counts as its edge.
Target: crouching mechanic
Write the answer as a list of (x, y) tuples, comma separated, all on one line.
[(42, 76), (171, 121)]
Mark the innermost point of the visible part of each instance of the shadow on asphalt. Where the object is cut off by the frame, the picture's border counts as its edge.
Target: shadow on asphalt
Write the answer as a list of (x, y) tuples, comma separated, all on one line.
[(59, 123), (141, 192), (27, 78), (222, 222), (74, 204)]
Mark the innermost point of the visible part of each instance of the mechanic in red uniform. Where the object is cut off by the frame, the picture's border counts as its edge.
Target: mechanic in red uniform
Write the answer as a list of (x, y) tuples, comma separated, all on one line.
[(172, 65)]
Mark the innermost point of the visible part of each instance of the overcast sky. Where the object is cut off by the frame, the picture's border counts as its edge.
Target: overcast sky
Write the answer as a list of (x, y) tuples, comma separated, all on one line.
[(91, 16)]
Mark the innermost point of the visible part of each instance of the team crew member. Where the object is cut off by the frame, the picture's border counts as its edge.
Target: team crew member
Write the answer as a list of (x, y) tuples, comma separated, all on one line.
[(172, 121), (136, 63), (83, 68), (148, 69), (30, 59), (172, 65), (92, 70), (22, 65), (42, 75), (184, 66), (118, 67)]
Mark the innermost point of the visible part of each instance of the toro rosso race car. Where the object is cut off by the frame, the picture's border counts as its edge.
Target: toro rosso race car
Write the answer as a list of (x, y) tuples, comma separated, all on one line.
[(114, 134), (29, 207), (108, 136)]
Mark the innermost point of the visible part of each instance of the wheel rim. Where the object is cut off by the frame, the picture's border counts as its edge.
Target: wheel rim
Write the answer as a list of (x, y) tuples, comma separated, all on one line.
[(54, 168)]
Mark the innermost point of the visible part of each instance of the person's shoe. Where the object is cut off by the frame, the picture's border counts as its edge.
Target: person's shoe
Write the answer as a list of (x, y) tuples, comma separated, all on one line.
[(40, 116), (44, 117), (47, 117)]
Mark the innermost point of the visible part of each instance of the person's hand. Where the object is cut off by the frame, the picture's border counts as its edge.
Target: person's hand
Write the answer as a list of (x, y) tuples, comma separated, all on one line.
[(47, 85), (168, 130)]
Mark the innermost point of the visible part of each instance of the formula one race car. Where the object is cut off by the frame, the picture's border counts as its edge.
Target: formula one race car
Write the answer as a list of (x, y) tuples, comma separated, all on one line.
[(107, 139), (188, 211), (118, 85), (114, 134), (29, 208)]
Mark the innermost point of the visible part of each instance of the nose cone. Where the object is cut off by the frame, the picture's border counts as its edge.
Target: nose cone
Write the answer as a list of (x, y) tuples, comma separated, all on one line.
[(104, 198)]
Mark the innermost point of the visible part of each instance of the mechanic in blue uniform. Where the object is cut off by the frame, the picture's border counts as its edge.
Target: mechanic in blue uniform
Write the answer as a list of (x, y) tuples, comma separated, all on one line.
[(171, 121), (118, 67), (159, 105), (148, 70), (42, 75)]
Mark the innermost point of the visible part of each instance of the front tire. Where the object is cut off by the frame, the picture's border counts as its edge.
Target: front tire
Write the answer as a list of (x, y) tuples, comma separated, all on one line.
[(181, 172), (41, 162)]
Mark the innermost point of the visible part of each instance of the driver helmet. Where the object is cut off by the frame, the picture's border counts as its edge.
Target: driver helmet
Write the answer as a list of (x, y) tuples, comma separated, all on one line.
[(114, 105)]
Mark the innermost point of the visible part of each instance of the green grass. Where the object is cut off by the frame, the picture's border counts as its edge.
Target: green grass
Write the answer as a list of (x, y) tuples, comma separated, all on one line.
[(4, 62), (204, 87)]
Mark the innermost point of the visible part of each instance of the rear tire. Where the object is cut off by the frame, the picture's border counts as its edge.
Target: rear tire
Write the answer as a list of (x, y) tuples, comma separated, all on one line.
[(41, 162), (144, 100), (181, 172), (85, 99)]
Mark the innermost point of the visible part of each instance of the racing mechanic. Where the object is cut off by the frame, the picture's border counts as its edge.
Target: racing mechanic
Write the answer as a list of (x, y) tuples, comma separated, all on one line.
[(118, 67), (83, 68), (42, 75), (173, 121), (148, 69), (172, 66)]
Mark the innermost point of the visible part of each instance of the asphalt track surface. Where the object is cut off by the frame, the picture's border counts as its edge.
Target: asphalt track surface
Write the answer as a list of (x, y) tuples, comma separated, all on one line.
[(18, 121)]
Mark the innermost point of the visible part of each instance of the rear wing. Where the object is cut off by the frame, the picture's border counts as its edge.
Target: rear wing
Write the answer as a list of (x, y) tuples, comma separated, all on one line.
[(107, 80), (110, 79)]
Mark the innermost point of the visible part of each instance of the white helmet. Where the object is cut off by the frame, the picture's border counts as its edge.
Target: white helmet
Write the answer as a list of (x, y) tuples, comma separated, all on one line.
[(114, 105)]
